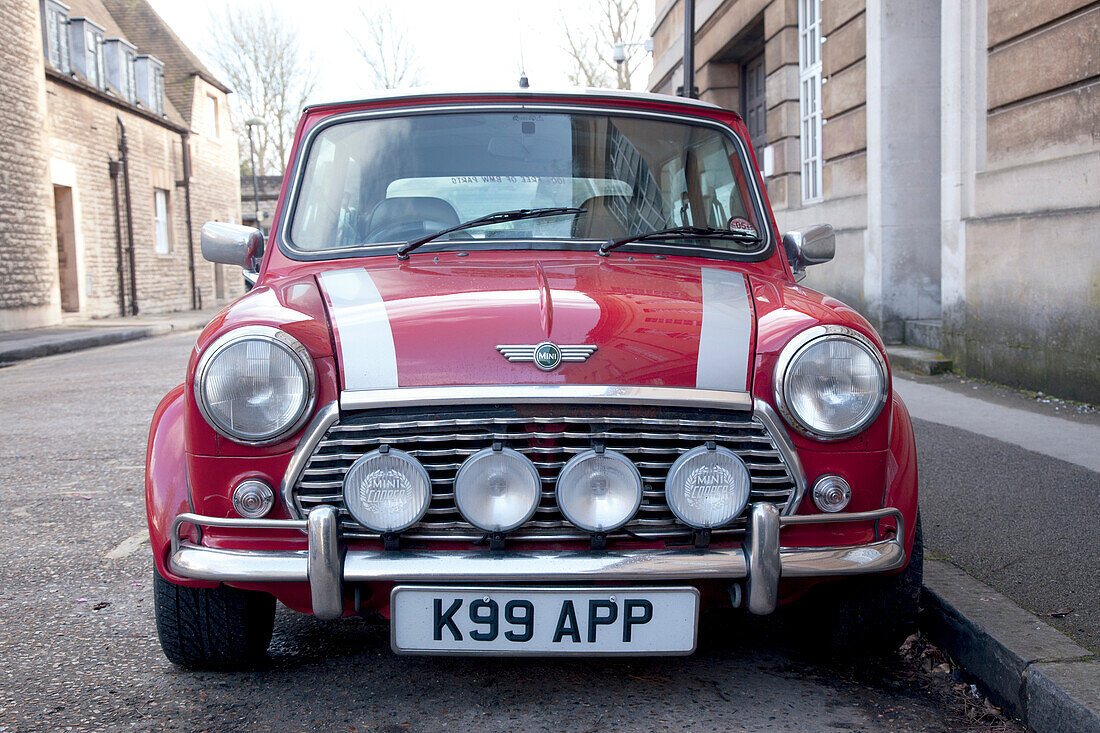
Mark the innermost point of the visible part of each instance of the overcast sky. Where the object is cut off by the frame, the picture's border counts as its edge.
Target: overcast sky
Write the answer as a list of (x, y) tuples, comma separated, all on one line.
[(461, 44)]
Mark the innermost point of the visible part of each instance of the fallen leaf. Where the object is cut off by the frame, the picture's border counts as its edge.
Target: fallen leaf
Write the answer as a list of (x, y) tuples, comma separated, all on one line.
[(101, 605), (1060, 613)]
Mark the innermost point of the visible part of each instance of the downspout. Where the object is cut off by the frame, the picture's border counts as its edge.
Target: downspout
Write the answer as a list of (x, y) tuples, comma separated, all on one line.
[(185, 140), (113, 166), (688, 89), (124, 160)]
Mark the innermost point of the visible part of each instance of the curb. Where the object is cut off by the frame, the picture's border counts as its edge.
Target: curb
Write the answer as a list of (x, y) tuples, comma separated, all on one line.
[(1026, 666), (95, 335)]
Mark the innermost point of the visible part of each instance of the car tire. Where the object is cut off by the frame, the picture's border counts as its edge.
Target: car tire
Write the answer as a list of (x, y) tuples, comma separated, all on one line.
[(868, 615), (213, 628)]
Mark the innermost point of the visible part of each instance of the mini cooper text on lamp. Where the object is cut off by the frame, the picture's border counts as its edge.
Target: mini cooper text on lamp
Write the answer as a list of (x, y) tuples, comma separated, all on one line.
[(528, 374)]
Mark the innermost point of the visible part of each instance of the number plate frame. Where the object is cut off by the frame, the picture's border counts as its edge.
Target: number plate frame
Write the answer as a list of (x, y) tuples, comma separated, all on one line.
[(584, 593)]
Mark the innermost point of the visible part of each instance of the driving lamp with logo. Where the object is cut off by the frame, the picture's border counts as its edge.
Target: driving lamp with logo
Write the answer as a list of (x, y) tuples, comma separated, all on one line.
[(387, 490), (707, 487), (497, 490), (599, 491), (830, 382), (255, 384)]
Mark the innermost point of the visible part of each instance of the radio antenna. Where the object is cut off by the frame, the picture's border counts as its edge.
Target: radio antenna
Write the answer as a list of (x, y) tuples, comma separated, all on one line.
[(524, 83)]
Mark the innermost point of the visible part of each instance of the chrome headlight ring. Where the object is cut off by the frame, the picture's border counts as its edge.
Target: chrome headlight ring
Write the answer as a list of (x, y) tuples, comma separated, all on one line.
[(798, 346), (279, 339)]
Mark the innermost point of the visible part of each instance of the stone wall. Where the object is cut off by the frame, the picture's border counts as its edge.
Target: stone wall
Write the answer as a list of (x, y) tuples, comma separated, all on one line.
[(1022, 299), (28, 245), (84, 134)]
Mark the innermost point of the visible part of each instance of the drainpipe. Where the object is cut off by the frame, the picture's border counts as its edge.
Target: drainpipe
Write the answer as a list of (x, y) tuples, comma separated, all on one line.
[(125, 161), (114, 167), (185, 183)]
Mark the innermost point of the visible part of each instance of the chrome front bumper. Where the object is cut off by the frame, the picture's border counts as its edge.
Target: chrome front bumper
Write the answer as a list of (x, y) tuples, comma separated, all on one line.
[(326, 566)]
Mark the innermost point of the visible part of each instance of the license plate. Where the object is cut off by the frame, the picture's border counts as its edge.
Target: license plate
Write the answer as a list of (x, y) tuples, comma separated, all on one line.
[(543, 621)]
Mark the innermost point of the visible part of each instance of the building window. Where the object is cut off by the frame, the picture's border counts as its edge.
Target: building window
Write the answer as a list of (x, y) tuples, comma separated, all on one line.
[(150, 83), (213, 124), (809, 96), (120, 57), (55, 16), (163, 239), (86, 40)]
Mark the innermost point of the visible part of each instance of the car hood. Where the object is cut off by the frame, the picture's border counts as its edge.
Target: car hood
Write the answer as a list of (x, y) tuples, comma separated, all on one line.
[(670, 322)]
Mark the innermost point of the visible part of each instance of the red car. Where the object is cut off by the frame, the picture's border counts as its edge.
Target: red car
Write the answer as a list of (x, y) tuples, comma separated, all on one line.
[(528, 373)]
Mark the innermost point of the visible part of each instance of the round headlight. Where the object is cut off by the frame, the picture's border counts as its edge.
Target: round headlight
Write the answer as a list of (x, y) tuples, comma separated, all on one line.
[(387, 491), (497, 490), (599, 492), (255, 384), (707, 487), (830, 382)]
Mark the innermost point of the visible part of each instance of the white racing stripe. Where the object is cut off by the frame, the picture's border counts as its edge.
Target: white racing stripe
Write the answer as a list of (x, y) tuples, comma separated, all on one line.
[(724, 337), (362, 327)]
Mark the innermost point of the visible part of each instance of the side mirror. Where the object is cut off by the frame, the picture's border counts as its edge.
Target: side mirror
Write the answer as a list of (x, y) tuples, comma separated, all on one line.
[(232, 244), (810, 246)]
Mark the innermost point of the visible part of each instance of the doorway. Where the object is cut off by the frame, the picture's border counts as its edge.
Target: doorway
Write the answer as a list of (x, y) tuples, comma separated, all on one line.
[(67, 270)]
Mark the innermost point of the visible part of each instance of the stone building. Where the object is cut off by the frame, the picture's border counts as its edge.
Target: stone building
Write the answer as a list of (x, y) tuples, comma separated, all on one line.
[(954, 145), (115, 147)]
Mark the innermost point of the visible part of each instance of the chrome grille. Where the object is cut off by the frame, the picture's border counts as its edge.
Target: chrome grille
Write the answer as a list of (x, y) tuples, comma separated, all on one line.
[(549, 435)]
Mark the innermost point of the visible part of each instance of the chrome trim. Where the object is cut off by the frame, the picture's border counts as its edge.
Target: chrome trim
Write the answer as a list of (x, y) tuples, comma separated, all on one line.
[(565, 652), (320, 424), (324, 566), (550, 394), (483, 566), (763, 559), (261, 333), (297, 172), (764, 412), (798, 343)]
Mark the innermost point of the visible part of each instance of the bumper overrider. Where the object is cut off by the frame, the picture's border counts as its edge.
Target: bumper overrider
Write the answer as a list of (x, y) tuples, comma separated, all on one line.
[(326, 565)]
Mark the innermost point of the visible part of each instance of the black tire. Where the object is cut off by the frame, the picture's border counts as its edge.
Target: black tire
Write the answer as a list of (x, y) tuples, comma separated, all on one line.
[(212, 628), (868, 615)]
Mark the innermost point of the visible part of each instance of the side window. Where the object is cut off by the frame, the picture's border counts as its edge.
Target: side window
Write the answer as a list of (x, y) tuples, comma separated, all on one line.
[(93, 57)]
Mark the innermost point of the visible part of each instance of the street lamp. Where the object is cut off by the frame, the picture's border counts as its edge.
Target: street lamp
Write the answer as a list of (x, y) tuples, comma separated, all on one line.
[(618, 53), (252, 156)]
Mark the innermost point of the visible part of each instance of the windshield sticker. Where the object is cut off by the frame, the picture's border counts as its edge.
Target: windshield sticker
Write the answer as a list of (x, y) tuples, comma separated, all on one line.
[(741, 225)]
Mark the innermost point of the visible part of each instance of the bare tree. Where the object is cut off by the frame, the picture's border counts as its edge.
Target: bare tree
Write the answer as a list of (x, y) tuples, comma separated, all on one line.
[(387, 49), (257, 50), (590, 48)]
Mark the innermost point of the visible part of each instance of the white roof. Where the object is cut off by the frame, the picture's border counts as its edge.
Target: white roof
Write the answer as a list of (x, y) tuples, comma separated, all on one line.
[(534, 94)]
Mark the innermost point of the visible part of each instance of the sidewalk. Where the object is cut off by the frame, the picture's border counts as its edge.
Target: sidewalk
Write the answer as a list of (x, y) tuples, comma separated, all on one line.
[(1008, 500), (18, 346)]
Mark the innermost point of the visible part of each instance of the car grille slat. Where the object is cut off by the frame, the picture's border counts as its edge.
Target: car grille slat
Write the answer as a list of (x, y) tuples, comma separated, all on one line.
[(549, 435)]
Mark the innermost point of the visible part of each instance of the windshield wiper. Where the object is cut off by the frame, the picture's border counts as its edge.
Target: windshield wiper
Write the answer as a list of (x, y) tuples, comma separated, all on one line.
[(495, 218), (681, 233)]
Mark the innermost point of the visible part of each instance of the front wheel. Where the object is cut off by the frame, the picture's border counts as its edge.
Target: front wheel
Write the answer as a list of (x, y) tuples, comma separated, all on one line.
[(212, 628), (869, 615)]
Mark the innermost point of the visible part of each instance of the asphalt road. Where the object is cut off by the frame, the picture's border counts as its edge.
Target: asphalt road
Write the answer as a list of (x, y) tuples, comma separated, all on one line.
[(78, 648)]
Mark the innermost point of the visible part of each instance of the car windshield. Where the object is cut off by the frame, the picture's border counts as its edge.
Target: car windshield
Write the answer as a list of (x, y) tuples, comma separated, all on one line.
[(386, 180)]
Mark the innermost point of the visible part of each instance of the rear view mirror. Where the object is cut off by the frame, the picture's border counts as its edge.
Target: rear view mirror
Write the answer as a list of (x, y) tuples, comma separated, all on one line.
[(810, 246), (232, 244)]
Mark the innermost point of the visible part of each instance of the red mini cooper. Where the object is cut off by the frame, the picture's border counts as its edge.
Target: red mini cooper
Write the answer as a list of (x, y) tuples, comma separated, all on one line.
[(528, 373)]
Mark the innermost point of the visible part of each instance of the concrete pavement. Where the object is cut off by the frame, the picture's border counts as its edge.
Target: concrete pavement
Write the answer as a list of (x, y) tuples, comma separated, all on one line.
[(1008, 495)]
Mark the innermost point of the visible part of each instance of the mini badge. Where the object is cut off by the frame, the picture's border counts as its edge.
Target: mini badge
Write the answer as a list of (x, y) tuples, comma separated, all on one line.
[(547, 355)]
